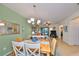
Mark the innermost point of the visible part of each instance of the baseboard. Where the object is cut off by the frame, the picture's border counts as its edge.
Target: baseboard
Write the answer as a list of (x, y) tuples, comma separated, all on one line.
[(7, 54)]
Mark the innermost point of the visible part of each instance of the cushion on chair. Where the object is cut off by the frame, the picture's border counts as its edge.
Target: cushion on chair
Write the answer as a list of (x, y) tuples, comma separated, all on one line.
[(19, 39)]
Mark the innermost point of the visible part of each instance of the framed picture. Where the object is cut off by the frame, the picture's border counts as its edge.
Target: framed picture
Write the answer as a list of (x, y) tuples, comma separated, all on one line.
[(13, 28), (9, 28), (45, 31), (66, 28)]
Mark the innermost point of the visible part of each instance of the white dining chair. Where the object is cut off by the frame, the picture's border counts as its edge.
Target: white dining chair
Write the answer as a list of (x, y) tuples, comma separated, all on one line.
[(18, 48), (32, 49), (53, 46), (45, 50)]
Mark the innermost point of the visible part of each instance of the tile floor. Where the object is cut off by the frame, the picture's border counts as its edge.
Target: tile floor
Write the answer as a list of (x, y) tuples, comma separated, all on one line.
[(63, 49)]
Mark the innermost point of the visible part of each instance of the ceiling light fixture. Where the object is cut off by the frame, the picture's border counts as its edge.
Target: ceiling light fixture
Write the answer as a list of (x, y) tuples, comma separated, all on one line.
[(47, 23), (34, 21)]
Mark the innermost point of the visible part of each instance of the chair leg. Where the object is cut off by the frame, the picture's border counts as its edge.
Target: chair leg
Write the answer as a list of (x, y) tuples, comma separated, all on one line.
[(48, 54)]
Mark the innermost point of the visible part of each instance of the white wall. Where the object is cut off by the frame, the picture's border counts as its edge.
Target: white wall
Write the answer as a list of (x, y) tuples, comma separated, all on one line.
[(72, 36)]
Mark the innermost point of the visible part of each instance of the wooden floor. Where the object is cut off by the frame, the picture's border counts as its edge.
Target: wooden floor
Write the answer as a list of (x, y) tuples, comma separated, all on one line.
[(67, 50)]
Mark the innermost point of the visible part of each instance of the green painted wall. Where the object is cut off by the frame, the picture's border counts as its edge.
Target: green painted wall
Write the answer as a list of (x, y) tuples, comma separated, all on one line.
[(11, 16)]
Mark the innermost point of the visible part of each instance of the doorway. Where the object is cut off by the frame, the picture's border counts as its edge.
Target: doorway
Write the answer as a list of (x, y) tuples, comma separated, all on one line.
[(61, 32)]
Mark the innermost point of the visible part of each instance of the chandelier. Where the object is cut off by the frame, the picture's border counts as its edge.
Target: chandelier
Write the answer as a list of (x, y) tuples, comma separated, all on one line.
[(34, 21), (47, 23)]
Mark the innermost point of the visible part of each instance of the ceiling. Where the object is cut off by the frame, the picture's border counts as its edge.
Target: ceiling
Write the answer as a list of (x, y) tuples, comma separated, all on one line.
[(54, 12)]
